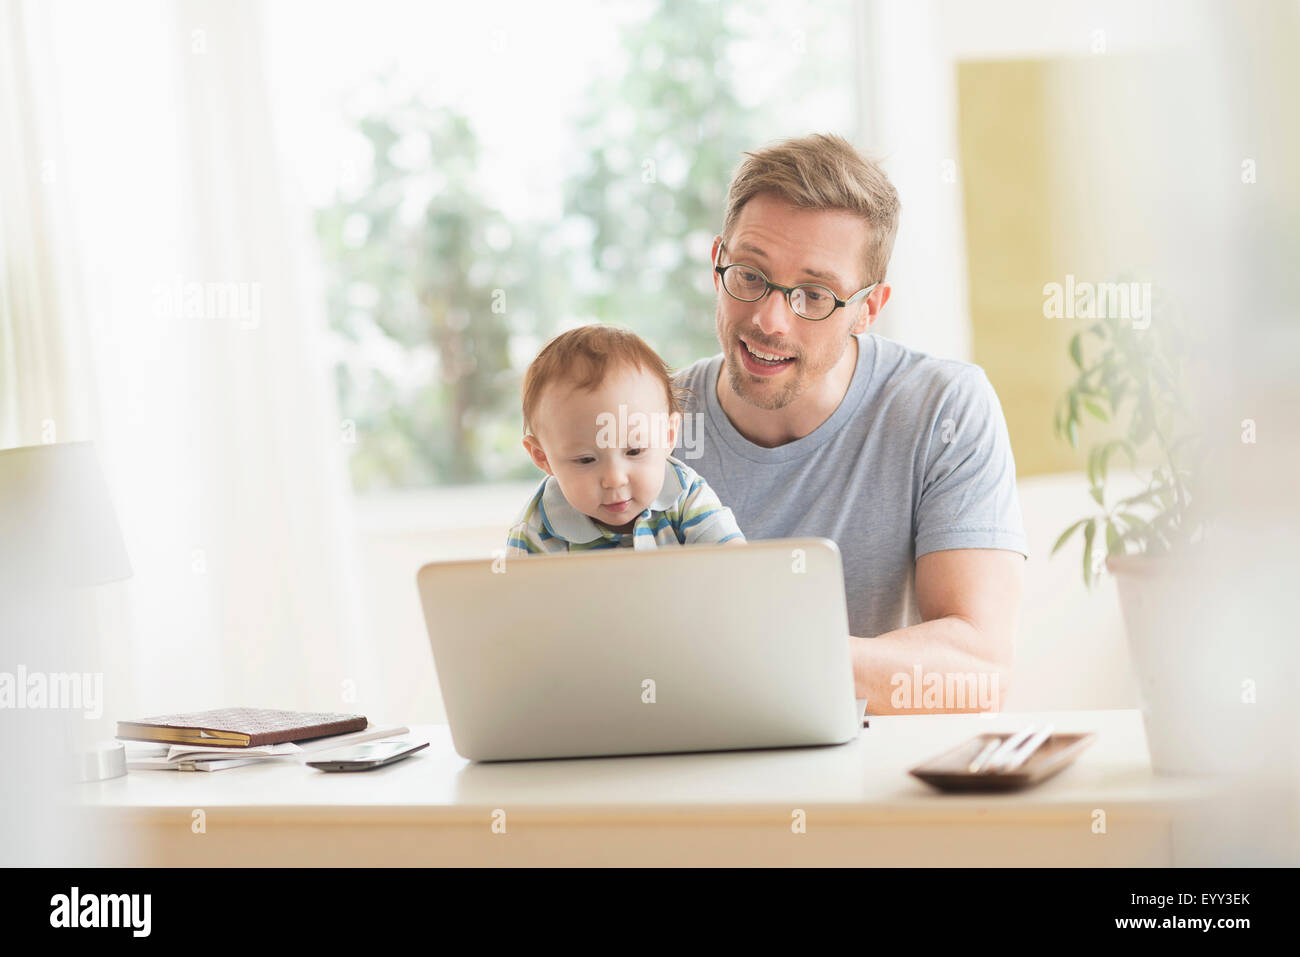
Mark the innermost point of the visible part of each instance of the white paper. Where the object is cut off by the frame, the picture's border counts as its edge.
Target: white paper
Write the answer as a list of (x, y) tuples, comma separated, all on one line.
[(263, 750)]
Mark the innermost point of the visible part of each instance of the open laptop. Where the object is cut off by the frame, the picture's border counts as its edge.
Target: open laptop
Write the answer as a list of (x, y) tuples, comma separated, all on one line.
[(700, 648)]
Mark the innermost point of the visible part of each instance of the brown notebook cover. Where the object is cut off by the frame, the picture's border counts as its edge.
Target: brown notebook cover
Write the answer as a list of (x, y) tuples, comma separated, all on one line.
[(239, 727)]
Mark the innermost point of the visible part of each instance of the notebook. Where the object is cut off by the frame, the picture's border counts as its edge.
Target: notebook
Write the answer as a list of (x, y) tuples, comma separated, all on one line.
[(239, 727), (184, 757)]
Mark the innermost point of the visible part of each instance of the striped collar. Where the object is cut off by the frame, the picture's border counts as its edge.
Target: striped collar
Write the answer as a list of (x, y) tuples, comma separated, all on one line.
[(564, 521)]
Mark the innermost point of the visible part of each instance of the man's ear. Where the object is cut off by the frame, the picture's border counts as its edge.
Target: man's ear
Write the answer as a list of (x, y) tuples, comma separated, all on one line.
[(871, 306), (537, 454), (713, 262)]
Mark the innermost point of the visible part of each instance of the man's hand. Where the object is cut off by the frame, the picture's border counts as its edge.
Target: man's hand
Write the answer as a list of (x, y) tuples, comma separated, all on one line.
[(959, 658)]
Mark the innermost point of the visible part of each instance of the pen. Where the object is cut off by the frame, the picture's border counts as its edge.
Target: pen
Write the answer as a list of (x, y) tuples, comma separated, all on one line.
[(1008, 746), (983, 756), (1029, 747)]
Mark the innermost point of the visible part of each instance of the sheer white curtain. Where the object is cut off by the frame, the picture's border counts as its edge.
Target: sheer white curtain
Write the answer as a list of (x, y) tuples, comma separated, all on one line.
[(158, 300), (907, 95)]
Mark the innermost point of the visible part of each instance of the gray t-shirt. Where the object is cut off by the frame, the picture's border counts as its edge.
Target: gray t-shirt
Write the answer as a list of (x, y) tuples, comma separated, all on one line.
[(915, 459)]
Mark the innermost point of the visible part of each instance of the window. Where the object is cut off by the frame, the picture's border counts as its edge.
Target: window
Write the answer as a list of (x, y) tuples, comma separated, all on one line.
[(481, 183)]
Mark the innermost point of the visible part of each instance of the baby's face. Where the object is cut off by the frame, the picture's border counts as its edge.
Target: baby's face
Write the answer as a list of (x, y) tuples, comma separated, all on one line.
[(606, 448)]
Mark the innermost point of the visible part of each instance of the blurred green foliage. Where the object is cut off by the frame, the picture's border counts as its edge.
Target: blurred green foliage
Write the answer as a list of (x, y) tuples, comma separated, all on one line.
[(422, 276), (1136, 375), (438, 303), (660, 142)]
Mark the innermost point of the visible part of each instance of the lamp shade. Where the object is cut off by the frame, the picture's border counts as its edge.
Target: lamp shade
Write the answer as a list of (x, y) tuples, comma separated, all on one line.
[(57, 524)]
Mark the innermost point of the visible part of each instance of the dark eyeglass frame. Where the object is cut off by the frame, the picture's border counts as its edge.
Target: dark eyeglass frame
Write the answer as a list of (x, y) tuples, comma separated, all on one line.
[(787, 291)]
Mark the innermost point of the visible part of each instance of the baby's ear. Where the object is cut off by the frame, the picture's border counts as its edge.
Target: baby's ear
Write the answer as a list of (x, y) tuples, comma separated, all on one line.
[(674, 429), (537, 454)]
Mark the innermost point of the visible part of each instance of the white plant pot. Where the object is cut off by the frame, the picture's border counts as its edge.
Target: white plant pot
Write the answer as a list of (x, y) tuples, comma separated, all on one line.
[(1193, 685)]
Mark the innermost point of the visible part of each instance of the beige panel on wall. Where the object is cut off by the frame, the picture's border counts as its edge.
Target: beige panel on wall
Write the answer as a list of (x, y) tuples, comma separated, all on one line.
[(1048, 194)]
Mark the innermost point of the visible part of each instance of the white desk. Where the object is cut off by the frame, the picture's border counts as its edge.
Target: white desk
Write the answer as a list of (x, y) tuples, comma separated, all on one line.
[(731, 808)]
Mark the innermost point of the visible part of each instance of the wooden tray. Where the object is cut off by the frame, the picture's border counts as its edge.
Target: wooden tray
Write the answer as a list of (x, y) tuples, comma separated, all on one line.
[(950, 770)]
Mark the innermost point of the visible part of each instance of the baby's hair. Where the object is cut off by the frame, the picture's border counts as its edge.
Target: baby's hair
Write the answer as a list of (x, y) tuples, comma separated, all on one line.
[(584, 356)]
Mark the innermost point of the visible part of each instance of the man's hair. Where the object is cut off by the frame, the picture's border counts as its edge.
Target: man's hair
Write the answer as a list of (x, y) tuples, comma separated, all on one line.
[(584, 356), (822, 171)]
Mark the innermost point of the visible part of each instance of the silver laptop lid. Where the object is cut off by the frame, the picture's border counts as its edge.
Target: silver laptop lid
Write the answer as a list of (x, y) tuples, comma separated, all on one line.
[(706, 647)]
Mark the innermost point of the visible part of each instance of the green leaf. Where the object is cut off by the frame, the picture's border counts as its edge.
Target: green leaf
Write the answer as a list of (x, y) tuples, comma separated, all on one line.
[(1103, 460), (1122, 446), (1089, 533), (1150, 495), (1076, 351), (1139, 429), (1098, 495), (1065, 535), (1138, 529), (1114, 542), (1132, 518), (1096, 410), (1074, 432)]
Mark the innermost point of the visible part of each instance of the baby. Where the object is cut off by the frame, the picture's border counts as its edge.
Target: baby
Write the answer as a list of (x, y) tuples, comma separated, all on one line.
[(601, 416)]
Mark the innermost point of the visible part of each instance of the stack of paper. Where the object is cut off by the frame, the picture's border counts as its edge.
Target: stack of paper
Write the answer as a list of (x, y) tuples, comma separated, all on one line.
[(142, 756)]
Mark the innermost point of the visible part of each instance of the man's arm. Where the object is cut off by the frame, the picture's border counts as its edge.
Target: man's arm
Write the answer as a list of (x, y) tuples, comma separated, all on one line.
[(969, 600)]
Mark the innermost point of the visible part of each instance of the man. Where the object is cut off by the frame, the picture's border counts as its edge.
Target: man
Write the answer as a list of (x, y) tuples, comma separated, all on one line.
[(812, 427)]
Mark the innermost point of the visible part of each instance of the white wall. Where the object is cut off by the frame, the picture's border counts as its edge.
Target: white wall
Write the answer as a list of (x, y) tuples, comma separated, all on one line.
[(395, 535)]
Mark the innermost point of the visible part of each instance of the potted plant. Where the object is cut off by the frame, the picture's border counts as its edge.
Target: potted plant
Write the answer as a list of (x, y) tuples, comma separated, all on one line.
[(1132, 382)]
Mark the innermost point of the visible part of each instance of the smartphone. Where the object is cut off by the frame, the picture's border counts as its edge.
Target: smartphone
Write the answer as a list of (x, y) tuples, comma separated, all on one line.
[(363, 757)]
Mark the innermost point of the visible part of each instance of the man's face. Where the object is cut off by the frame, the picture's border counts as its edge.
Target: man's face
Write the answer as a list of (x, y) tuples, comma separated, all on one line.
[(608, 476), (790, 246)]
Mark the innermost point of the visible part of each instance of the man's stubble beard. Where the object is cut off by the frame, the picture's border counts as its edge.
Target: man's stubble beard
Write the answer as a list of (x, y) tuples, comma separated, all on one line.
[(743, 386), (761, 398)]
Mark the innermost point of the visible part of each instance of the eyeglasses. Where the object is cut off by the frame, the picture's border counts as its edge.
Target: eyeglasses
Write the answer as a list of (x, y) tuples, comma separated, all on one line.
[(809, 300)]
